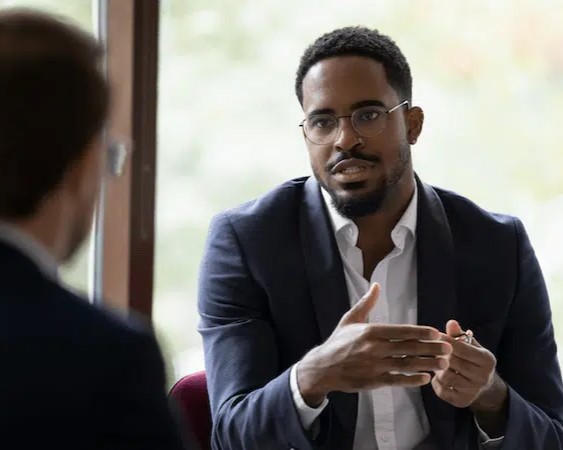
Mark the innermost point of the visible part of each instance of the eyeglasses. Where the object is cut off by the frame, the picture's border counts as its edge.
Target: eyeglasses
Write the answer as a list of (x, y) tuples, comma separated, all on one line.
[(368, 121)]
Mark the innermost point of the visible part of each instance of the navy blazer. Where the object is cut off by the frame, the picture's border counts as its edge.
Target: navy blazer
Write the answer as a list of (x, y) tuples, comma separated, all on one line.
[(71, 375), (272, 287)]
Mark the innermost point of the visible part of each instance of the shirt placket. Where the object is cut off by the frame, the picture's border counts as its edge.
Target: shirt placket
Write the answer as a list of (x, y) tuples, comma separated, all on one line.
[(383, 413)]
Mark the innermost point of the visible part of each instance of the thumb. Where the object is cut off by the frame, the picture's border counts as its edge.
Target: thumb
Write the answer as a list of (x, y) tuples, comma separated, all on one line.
[(453, 328), (360, 311)]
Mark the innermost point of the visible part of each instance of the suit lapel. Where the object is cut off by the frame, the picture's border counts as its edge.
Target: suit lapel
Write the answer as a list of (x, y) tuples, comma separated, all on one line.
[(436, 296), (327, 282)]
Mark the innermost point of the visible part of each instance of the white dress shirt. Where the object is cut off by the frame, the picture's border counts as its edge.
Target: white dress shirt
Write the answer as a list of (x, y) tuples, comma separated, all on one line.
[(30, 248), (389, 418)]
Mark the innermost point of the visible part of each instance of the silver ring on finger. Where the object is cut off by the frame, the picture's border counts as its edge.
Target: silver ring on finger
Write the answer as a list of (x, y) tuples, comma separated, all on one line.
[(466, 338), (469, 337)]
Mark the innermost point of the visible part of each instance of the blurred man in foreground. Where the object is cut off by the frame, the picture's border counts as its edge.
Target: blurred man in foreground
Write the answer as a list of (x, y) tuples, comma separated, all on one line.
[(72, 376)]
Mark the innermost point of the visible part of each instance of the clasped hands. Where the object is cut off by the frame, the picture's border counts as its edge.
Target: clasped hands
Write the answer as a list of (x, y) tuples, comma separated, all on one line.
[(360, 356)]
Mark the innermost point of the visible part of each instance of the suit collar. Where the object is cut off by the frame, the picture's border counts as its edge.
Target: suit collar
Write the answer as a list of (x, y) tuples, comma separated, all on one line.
[(322, 260), (30, 248), (18, 271)]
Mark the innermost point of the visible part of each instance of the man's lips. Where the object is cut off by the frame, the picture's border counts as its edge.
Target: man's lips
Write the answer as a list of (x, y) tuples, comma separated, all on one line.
[(351, 165)]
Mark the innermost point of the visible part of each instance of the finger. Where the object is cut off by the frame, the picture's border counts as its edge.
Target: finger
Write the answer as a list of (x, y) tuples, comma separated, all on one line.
[(465, 368), (475, 342), (479, 376), (360, 311), (452, 396), (456, 379), (453, 328), (415, 348), (403, 332), (399, 379), (467, 352), (413, 364)]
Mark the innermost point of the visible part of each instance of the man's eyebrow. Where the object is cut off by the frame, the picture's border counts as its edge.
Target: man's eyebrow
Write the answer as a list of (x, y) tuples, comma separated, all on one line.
[(354, 106), (363, 103), (321, 111)]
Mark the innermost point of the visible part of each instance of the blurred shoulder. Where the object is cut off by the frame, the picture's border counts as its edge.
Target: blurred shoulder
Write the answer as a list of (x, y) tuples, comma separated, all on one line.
[(98, 326)]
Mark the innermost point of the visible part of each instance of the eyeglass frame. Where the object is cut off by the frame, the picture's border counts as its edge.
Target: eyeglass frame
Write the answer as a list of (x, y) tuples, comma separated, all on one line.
[(386, 112)]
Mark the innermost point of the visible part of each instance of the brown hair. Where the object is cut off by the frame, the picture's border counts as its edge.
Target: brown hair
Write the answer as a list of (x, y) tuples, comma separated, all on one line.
[(53, 102)]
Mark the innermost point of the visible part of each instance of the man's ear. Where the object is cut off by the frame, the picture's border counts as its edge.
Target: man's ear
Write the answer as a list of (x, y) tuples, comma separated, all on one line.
[(86, 167), (415, 120)]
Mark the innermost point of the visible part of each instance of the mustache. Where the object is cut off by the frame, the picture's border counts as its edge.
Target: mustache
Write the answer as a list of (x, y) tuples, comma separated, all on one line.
[(353, 154)]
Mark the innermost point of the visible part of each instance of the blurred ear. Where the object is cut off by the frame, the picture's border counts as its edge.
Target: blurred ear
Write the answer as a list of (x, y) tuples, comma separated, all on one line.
[(415, 120), (84, 175)]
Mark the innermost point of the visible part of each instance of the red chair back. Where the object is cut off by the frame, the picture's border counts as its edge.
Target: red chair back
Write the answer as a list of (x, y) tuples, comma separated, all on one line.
[(191, 395)]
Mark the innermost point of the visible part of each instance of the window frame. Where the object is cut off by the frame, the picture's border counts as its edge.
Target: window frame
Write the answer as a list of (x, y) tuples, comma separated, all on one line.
[(125, 222)]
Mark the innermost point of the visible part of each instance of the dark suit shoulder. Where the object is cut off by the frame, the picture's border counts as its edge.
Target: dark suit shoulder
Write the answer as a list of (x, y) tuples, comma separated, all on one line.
[(255, 227), (460, 209), (485, 242), (273, 205)]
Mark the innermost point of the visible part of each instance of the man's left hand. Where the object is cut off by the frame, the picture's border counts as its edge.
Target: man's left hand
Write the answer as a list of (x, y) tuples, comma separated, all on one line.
[(471, 372)]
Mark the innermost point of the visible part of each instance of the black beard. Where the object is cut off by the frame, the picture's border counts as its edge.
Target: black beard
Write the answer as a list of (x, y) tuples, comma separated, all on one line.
[(354, 208), (371, 202)]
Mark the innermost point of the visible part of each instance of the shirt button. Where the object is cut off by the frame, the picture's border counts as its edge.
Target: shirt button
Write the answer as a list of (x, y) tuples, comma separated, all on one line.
[(385, 439)]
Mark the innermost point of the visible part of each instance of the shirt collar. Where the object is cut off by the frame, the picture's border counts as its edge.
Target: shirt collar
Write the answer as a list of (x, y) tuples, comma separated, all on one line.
[(405, 225), (31, 248)]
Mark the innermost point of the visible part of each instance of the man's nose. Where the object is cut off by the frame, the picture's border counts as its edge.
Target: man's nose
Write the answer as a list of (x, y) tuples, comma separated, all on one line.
[(347, 137)]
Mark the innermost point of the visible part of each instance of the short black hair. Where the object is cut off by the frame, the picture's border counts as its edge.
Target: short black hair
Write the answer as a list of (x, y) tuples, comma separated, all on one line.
[(359, 41), (53, 102)]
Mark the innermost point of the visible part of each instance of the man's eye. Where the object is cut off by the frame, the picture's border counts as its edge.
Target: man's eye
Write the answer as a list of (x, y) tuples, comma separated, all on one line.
[(323, 122), (367, 116)]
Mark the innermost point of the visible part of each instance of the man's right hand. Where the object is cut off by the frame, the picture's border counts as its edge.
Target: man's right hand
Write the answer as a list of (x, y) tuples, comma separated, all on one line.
[(360, 356)]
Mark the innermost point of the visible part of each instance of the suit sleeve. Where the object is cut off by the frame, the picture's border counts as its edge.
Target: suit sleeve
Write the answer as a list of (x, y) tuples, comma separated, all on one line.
[(140, 417), (251, 400), (527, 360)]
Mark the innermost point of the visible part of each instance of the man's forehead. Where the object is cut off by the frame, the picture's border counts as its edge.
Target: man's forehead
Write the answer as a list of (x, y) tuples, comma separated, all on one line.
[(345, 66), (345, 80)]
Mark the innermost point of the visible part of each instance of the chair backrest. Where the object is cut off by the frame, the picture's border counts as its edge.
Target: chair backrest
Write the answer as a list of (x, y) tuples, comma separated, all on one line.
[(190, 393)]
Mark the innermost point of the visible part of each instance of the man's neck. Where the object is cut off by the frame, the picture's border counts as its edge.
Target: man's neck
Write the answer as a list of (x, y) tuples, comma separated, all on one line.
[(374, 237)]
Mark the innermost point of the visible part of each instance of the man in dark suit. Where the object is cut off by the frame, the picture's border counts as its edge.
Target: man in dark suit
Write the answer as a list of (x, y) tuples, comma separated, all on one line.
[(72, 376), (364, 309)]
